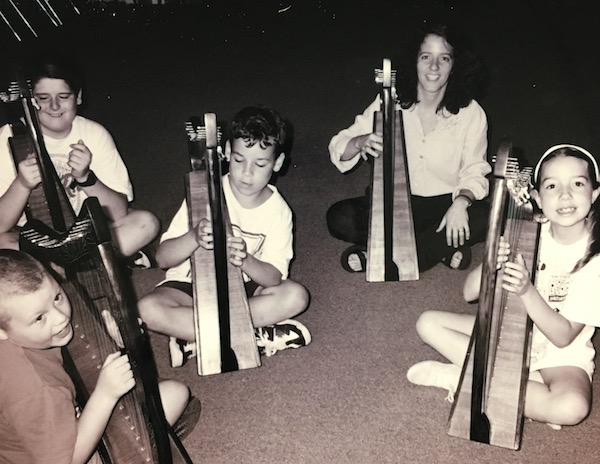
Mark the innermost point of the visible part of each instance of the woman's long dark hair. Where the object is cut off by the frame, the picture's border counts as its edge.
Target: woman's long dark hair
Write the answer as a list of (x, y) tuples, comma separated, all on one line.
[(466, 81)]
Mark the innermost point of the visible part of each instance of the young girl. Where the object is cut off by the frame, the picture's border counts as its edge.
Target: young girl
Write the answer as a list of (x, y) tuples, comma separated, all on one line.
[(564, 305)]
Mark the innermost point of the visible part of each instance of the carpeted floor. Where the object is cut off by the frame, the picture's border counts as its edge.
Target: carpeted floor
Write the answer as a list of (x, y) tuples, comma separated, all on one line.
[(345, 397)]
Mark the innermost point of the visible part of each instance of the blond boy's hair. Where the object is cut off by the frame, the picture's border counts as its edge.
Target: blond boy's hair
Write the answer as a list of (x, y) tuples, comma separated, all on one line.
[(20, 274)]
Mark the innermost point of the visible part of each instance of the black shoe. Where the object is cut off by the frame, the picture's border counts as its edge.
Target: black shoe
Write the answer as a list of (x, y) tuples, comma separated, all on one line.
[(140, 260), (188, 419), (181, 351), (277, 337)]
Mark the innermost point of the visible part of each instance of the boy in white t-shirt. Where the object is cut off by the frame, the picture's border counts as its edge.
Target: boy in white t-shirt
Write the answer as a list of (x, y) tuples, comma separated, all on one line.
[(85, 157), (261, 245)]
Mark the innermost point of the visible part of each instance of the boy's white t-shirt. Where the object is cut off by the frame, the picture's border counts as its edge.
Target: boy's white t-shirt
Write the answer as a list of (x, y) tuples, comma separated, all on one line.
[(266, 229), (106, 162)]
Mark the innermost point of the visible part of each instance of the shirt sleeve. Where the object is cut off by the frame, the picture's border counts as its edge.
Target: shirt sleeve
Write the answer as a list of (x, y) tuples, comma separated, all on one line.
[(278, 246), (8, 169), (107, 163), (363, 124), (179, 224), (474, 166)]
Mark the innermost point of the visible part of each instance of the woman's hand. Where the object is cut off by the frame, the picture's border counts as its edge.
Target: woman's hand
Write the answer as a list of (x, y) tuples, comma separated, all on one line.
[(369, 145), (456, 222)]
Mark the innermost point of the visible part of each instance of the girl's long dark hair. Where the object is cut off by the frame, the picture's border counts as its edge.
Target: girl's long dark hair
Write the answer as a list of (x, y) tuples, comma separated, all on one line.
[(593, 248)]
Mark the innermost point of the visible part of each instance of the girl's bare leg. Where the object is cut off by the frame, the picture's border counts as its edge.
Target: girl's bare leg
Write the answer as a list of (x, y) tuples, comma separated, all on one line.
[(447, 333), (564, 398)]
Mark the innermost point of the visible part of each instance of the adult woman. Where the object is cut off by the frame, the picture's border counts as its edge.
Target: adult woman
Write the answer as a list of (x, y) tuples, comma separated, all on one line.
[(446, 142)]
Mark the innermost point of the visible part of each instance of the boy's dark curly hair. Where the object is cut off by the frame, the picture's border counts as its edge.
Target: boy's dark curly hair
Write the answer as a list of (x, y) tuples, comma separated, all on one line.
[(466, 81), (260, 124)]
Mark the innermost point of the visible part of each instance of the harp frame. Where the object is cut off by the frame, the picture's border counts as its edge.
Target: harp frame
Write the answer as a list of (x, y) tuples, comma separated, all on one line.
[(225, 339), (489, 403), (80, 250), (391, 243)]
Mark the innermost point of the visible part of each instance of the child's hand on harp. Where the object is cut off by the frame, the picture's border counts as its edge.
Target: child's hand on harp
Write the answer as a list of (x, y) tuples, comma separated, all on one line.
[(28, 172), (237, 250), (204, 234), (80, 158), (516, 276), (116, 377), (503, 252)]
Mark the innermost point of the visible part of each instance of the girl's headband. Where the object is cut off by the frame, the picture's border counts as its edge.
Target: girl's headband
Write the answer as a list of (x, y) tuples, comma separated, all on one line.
[(566, 145)]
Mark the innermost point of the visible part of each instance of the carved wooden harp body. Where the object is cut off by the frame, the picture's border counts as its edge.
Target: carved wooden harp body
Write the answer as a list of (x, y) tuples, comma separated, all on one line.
[(79, 248), (225, 339), (489, 402), (391, 244)]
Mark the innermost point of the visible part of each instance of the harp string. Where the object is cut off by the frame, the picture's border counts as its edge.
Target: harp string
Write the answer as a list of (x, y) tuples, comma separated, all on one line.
[(514, 216), (54, 234), (98, 289)]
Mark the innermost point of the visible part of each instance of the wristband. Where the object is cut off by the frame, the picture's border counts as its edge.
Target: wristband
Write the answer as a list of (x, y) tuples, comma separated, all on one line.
[(469, 201), (91, 180)]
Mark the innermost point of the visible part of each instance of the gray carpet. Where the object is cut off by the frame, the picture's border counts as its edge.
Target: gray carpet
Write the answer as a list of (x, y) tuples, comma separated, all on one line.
[(345, 397)]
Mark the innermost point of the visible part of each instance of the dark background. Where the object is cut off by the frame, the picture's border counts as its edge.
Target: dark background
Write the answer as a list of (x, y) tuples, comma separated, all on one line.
[(344, 398)]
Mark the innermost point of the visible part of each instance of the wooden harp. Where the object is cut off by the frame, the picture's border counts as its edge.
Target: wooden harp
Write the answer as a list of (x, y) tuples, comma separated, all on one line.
[(79, 249), (391, 244), (489, 402), (225, 339)]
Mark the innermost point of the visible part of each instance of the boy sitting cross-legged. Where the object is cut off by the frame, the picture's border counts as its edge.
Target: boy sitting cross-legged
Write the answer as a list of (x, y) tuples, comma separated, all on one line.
[(261, 245), (38, 420)]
